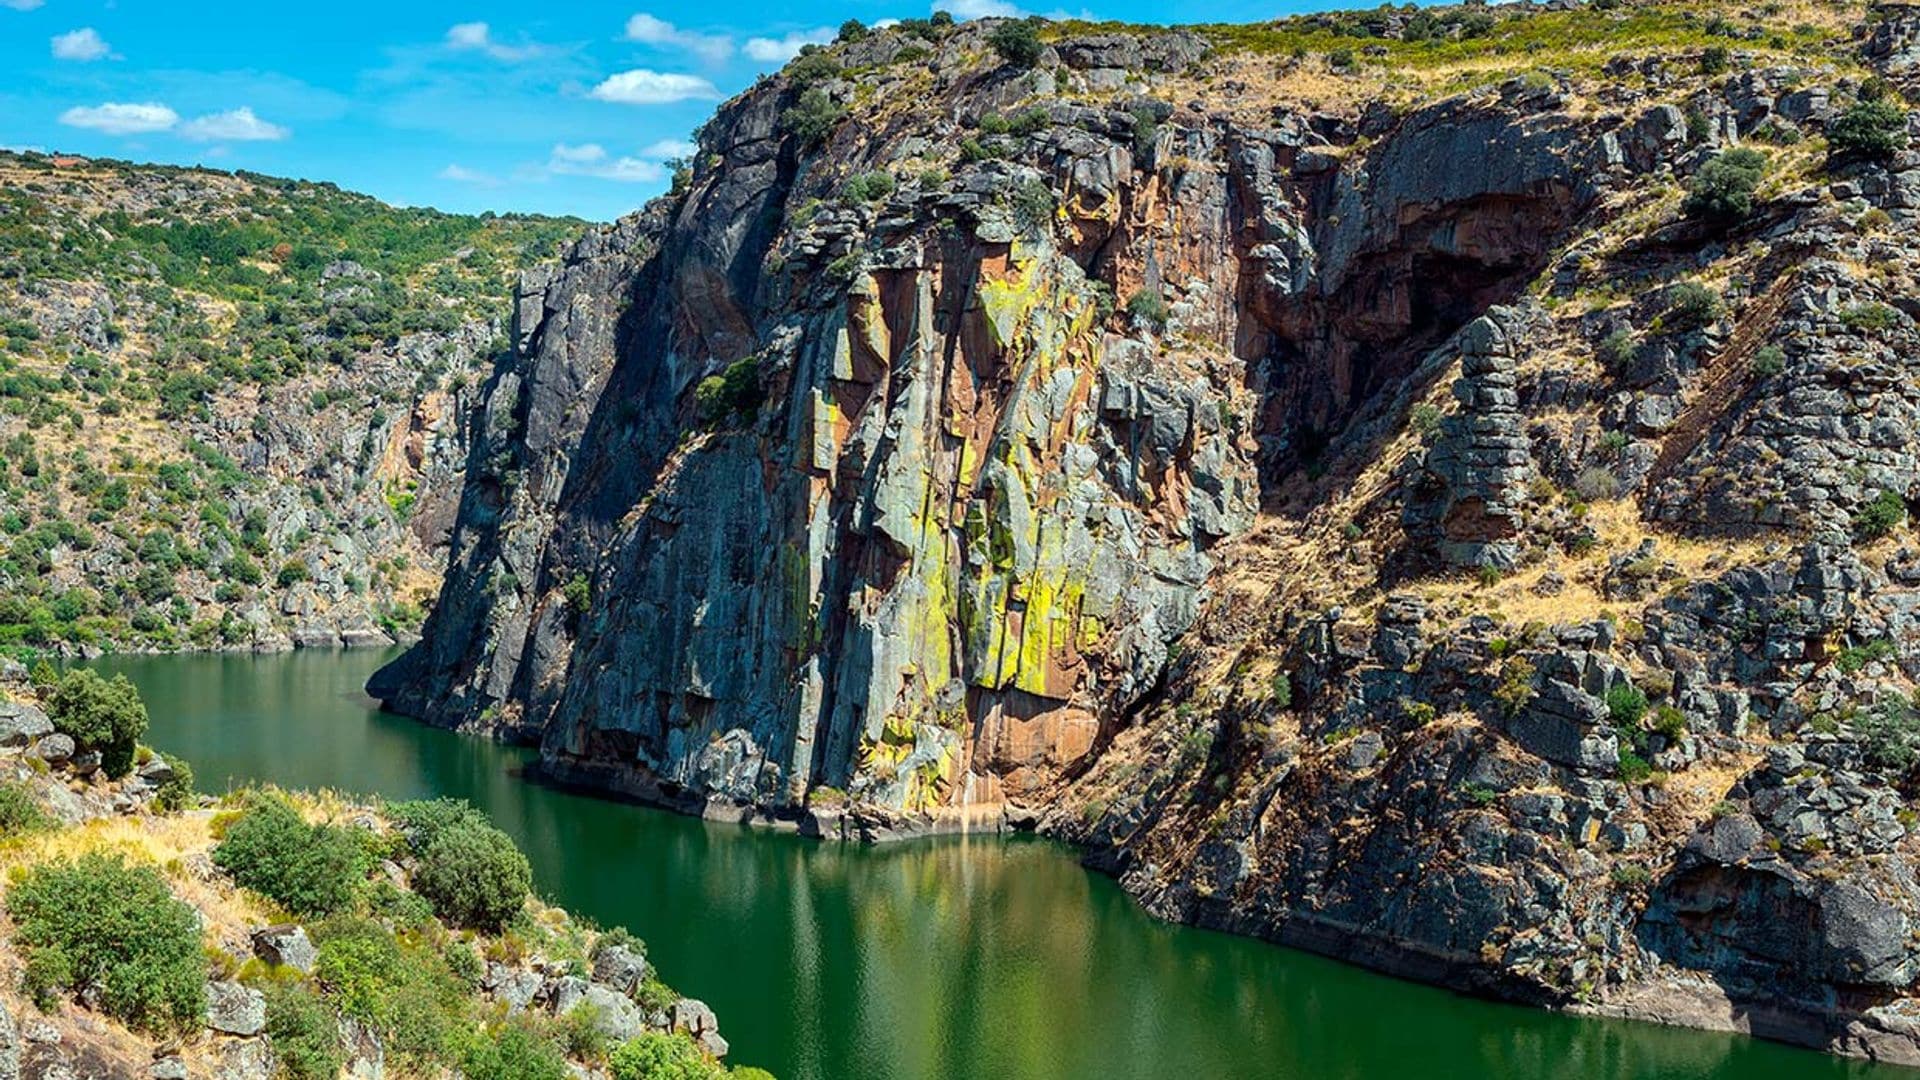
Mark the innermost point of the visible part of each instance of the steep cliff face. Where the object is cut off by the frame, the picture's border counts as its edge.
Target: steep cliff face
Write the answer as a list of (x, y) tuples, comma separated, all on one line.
[(1389, 500)]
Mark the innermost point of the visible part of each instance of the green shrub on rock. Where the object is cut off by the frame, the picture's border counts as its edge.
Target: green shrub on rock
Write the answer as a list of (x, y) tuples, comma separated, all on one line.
[(474, 876), (308, 869), (1879, 516), (657, 1056), (99, 714), (101, 922), (1018, 42), (1721, 193), (1868, 129), (514, 1051)]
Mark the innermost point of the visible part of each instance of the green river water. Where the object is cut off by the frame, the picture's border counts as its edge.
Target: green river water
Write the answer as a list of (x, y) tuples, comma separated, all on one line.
[(963, 958)]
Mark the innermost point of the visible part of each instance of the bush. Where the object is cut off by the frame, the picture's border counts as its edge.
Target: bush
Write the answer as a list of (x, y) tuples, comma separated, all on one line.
[(812, 118), (1626, 705), (1017, 42), (1869, 316), (1691, 306), (19, 812), (1722, 191), (1148, 307), (423, 820), (473, 875), (734, 392), (1890, 735), (308, 869), (1769, 360), (1879, 516), (1715, 60), (102, 923), (177, 793), (867, 187), (1868, 129), (514, 1051), (1616, 349), (657, 1056), (1633, 768), (98, 714), (1596, 483), (303, 1032)]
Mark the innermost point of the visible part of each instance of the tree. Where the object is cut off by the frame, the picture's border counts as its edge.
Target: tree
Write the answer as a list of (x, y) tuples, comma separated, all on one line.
[(661, 1056), (100, 715), (474, 876), (812, 118), (1873, 129), (1721, 193), (1017, 41)]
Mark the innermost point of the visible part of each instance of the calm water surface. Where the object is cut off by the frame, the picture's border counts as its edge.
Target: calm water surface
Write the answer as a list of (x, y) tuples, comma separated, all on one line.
[(952, 958)]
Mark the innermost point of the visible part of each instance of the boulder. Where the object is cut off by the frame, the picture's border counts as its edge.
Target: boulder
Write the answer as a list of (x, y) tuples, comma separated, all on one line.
[(620, 967), (287, 945), (243, 1059), (615, 1014), (9, 1045), (54, 749), (21, 725), (234, 1009)]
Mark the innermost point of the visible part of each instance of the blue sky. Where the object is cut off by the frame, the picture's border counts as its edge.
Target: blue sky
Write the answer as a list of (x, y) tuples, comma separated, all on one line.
[(568, 107)]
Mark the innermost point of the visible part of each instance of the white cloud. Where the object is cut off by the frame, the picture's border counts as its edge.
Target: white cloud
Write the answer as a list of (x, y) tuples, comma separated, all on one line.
[(593, 160), (659, 33), (782, 49), (236, 125), (22, 5), (115, 118), (669, 148), (977, 9), (83, 45), (478, 36), (643, 87), (460, 174)]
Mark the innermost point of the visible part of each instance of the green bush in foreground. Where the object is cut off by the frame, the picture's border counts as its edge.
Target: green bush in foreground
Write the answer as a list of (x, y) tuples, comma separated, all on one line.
[(656, 1056), (99, 921), (308, 869), (1868, 129), (474, 876), (1721, 193), (99, 714), (513, 1052)]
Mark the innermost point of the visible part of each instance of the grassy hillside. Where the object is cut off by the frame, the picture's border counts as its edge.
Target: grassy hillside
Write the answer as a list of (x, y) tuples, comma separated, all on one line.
[(205, 378)]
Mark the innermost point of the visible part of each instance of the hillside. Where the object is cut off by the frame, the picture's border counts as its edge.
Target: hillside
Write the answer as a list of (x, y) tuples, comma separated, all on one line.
[(1428, 486), (233, 408), (148, 931)]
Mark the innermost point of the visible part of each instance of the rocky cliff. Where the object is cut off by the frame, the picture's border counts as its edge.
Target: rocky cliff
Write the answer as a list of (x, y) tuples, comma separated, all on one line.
[(1428, 487)]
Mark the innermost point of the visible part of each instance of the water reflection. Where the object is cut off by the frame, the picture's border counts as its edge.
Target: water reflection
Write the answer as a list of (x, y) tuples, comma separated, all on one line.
[(961, 958)]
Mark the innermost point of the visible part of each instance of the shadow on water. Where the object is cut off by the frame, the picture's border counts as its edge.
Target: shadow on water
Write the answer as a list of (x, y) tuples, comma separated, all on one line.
[(953, 958)]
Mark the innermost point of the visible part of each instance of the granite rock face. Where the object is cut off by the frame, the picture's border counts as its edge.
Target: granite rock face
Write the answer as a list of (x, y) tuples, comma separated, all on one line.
[(1395, 529)]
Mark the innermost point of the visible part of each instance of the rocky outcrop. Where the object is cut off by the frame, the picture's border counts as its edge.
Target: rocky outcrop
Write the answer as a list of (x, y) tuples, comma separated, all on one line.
[(1116, 473)]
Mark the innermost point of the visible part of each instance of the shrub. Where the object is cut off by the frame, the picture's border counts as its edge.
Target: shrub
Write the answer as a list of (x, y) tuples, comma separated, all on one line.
[(1515, 688), (657, 1056), (308, 869), (423, 820), (19, 813), (103, 923), (1769, 360), (734, 392), (1879, 516), (1691, 306), (1340, 59), (1282, 690), (1855, 658), (1869, 316), (514, 1051), (1715, 60), (812, 118), (1626, 705), (1616, 350), (1424, 419), (177, 793), (303, 1032), (1017, 41), (1890, 735), (1868, 129), (1631, 875), (1033, 206), (1722, 191), (577, 593), (1633, 768), (473, 875), (1670, 722), (868, 187), (1596, 483), (1148, 307), (98, 714)]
